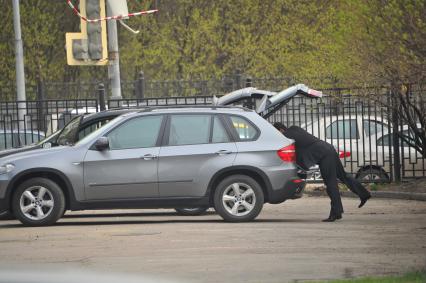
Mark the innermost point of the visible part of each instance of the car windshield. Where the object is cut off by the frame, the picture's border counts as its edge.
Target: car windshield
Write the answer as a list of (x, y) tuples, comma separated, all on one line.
[(68, 134)]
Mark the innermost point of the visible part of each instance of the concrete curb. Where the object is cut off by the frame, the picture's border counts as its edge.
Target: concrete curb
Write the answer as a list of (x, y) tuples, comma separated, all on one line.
[(376, 194)]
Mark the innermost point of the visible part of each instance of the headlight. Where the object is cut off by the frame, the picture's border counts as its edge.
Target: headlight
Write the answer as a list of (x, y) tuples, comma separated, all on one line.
[(6, 168)]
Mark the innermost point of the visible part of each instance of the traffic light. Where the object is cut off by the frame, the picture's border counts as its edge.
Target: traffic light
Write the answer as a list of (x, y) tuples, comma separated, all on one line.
[(90, 46)]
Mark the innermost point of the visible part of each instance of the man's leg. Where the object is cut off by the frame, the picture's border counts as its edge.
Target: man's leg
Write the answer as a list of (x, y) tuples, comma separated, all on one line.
[(328, 171), (353, 184)]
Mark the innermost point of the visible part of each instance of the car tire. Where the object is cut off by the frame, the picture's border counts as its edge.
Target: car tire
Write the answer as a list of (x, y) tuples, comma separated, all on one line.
[(7, 215), (374, 175), (38, 202), (238, 198), (195, 211)]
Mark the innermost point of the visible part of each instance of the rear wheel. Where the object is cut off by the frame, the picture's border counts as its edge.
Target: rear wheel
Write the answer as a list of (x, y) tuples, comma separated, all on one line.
[(195, 211), (38, 202), (238, 198)]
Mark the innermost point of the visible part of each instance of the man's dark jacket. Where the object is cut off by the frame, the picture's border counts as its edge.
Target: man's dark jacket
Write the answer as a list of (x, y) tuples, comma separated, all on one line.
[(309, 149)]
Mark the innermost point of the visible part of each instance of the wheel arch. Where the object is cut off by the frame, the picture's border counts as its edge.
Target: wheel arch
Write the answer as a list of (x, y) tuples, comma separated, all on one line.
[(48, 173), (370, 167), (250, 171)]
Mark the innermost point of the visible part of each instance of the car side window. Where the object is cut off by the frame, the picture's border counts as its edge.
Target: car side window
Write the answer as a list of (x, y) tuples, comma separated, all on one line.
[(219, 134), (387, 140), (189, 129), (372, 127), (342, 129), (139, 132), (244, 129)]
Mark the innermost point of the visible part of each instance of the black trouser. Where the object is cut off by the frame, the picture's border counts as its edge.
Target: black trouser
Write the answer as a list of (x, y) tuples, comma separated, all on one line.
[(332, 169)]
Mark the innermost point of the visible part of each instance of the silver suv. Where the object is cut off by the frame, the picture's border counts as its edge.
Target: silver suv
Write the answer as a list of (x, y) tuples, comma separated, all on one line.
[(229, 158)]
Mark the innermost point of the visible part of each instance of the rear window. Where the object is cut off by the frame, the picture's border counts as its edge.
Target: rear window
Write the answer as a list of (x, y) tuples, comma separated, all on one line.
[(244, 129), (372, 127)]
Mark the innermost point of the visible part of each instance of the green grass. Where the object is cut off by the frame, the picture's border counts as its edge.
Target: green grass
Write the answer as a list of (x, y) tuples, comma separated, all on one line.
[(413, 277)]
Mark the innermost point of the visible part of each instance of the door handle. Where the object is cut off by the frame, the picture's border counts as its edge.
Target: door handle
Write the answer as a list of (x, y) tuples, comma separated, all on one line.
[(149, 157), (223, 152)]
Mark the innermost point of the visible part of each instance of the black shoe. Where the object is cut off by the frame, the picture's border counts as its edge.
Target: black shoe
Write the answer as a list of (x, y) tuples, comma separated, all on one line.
[(363, 201), (332, 218)]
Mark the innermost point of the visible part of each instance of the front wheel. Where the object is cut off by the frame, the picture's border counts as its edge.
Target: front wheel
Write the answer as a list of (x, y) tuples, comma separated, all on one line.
[(38, 202), (238, 198), (195, 211)]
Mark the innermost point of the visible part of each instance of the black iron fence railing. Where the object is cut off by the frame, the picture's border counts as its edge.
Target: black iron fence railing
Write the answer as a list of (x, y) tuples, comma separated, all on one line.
[(143, 88), (361, 129)]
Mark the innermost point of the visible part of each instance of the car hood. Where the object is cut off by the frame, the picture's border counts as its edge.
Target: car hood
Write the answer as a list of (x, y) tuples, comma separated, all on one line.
[(11, 151), (33, 153)]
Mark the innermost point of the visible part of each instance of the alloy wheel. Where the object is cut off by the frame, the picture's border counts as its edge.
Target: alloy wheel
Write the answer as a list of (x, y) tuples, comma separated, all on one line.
[(239, 199), (36, 202)]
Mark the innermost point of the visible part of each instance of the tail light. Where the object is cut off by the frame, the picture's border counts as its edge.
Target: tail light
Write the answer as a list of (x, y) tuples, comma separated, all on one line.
[(343, 154), (288, 153)]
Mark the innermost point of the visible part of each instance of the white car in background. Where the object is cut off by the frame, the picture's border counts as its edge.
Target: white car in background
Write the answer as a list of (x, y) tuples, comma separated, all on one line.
[(412, 162), (368, 139)]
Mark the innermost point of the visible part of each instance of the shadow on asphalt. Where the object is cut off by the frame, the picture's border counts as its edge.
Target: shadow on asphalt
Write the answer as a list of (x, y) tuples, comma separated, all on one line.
[(166, 221)]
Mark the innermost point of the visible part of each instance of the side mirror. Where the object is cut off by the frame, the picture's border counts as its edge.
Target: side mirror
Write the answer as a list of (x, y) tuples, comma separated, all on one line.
[(102, 144)]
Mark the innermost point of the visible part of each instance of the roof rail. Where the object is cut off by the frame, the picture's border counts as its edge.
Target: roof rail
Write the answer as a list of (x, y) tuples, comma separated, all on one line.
[(213, 107)]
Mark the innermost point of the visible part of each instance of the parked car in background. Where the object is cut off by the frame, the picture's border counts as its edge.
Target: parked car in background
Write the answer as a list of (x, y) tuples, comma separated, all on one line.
[(18, 138), (381, 152), (229, 158), (367, 139)]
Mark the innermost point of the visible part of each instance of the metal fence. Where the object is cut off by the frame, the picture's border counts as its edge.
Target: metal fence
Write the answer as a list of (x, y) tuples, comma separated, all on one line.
[(360, 128), (141, 87)]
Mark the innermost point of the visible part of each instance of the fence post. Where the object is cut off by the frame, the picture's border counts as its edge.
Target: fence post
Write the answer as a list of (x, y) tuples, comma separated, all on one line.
[(40, 105), (395, 137), (249, 82), (237, 79), (101, 96), (140, 86)]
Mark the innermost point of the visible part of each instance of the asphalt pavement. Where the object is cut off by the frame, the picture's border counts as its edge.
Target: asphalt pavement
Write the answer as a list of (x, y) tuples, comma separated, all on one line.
[(287, 243)]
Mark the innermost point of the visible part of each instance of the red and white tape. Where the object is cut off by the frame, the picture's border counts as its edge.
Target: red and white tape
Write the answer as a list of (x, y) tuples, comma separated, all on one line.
[(119, 17)]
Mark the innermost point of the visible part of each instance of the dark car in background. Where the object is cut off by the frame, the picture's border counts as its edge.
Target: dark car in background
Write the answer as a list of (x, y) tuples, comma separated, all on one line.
[(18, 138)]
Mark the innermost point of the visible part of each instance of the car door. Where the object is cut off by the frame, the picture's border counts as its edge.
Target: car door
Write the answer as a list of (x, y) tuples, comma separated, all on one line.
[(372, 153), (196, 147), (128, 169)]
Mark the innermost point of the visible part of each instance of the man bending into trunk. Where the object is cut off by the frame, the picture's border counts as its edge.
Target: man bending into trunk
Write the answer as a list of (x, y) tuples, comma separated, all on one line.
[(310, 151)]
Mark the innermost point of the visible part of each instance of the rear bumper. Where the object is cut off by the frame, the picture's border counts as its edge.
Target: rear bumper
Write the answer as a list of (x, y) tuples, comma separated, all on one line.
[(292, 189)]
